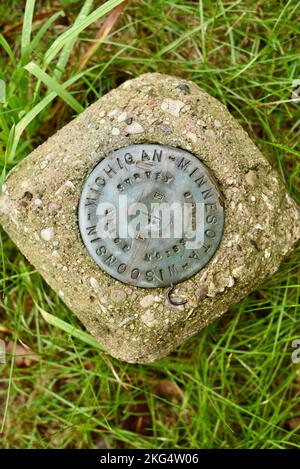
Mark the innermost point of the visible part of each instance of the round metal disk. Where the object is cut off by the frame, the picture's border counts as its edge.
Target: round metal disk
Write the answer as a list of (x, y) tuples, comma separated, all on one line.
[(150, 215)]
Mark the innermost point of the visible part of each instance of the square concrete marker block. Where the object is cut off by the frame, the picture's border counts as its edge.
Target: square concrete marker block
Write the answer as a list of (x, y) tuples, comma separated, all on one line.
[(39, 210)]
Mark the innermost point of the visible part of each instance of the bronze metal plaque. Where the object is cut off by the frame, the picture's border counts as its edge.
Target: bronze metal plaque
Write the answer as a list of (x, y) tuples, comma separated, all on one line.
[(151, 215)]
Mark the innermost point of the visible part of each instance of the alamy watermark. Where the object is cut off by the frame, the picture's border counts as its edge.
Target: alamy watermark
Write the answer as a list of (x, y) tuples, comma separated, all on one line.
[(2, 352), (2, 92), (158, 220), (296, 91), (296, 352)]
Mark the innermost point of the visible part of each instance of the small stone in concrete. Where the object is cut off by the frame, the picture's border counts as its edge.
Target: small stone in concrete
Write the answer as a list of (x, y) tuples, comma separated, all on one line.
[(192, 137), (47, 234), (112, 113), (119, 296), (122, 117), (251, 178), (134, 128), (172, 107), (94, 283), (115, 131), (184, 88), (147, 301), (148, 318)]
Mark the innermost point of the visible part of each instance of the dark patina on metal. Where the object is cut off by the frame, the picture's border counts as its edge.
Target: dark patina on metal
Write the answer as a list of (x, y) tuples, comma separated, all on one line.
[(151, 174)]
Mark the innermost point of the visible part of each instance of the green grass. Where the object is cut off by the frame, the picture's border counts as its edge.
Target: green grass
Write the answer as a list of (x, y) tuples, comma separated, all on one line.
[(233, 385)]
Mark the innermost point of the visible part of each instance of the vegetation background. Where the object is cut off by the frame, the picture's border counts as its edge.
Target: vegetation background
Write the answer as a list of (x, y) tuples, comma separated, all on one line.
[(232, 386)]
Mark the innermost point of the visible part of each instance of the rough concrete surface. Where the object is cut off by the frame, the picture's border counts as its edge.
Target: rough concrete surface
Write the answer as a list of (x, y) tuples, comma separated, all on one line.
[(39, 202)]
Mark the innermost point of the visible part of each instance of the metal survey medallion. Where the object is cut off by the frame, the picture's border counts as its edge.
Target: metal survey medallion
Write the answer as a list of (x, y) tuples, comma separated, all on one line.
[(151, 215)]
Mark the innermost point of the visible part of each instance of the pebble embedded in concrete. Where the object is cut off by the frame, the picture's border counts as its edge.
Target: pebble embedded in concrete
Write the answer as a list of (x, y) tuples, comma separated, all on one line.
[(172, 106), (134, 128), (47, 234)]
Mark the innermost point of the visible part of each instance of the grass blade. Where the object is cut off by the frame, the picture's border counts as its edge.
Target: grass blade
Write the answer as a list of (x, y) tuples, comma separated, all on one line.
[(71, 330), (102, 33), (27, 27), (53, 85), (76, 29), (38, 37), (67, 49), (17, 131), (7, 48)]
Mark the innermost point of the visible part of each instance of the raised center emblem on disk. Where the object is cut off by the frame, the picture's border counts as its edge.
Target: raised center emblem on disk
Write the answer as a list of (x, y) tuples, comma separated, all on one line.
[(151, 215)]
